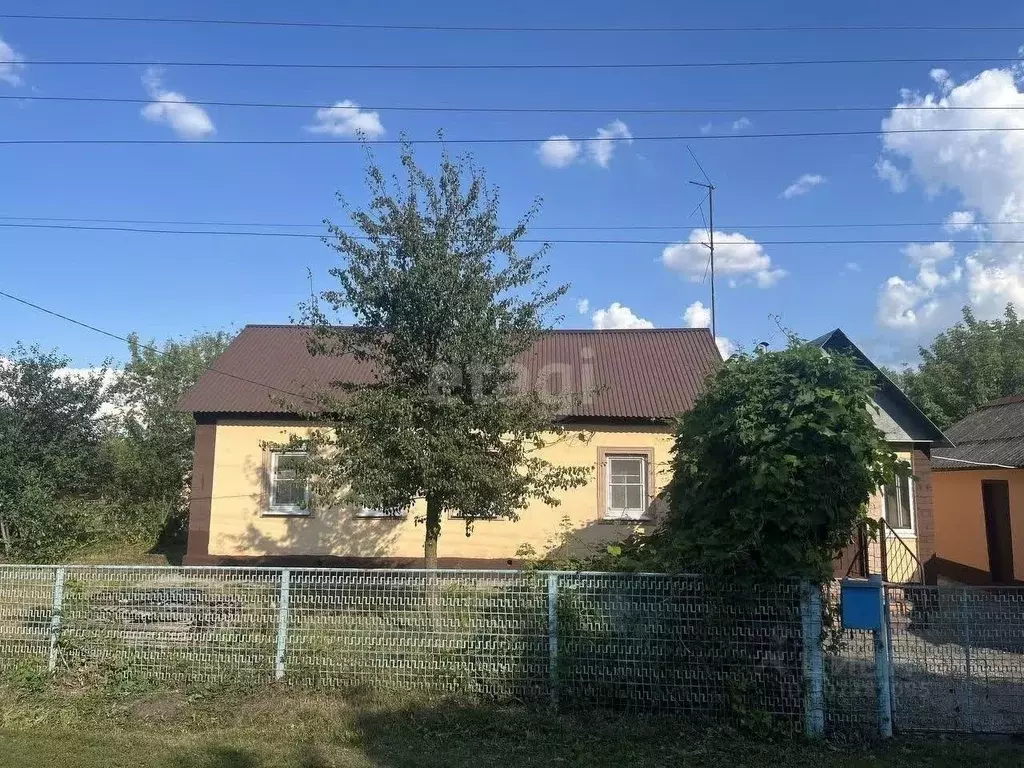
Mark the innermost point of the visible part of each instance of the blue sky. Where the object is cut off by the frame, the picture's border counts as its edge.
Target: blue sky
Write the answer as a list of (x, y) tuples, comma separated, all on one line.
[(169, 285)]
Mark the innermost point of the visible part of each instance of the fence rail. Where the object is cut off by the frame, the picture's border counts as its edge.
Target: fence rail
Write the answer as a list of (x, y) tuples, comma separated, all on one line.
[(645, 642)]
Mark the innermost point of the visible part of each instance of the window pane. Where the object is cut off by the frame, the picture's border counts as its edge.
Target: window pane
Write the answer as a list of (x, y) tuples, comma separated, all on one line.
[(289, 493), (897, 503), (625, 470), (288, 487), (618, 497), (905, 499), (634, 497)]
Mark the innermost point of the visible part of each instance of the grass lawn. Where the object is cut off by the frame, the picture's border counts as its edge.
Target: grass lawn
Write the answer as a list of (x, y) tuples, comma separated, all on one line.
[(289, 728)]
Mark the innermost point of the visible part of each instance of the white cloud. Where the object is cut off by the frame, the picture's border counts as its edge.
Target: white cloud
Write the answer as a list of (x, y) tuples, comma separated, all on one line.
[(170, 107), (12, 64), (736, 256), (906, 303), (851, 266), (741, 124), (617, 316), (803, 185), (583, 306), (958, 221), (943, 79), (923, 253), (706, 128), (984, 169), (888, 172), (559, 151), (601, 148), (726, 348), (699, 316), (345, 118)]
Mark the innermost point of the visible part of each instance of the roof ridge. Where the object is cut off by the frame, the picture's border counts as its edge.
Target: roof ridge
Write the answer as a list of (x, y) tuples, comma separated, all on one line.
[(668, 329)]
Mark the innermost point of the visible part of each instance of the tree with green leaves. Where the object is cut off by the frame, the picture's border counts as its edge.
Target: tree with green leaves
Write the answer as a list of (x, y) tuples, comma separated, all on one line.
[(50, 430), (151, 446), (444, 302), (773, 467), (967, 365)]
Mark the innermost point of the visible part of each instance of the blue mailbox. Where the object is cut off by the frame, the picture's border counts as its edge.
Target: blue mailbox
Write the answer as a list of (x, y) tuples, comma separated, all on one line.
[(861, 601)]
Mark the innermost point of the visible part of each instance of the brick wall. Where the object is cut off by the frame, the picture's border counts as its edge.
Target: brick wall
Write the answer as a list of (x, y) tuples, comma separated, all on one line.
[(922, 468)]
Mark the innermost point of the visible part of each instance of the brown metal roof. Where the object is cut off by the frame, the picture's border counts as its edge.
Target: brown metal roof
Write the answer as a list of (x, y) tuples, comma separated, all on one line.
[(635, 374)]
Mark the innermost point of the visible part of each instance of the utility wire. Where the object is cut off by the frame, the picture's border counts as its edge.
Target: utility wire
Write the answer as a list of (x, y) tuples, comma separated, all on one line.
[(500, 28), (501, 140), (528, 110), (148, 347), (528, 65), (532, 241), (558, 227)]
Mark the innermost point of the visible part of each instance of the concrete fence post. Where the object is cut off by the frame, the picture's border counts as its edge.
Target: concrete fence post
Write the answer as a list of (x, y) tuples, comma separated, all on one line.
[(55, 616), (883, 665), (282, 623), (553, 637), (814, 662)]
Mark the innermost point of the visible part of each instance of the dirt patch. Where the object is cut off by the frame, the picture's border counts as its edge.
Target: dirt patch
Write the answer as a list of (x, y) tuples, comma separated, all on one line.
[(158, 707)]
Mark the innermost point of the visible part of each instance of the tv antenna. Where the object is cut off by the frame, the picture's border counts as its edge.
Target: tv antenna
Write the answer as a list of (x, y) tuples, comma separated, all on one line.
[(710, 245)]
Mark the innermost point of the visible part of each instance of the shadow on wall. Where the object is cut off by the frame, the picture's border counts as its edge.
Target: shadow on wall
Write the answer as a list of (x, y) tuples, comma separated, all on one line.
[(326, 530), (572, 545)]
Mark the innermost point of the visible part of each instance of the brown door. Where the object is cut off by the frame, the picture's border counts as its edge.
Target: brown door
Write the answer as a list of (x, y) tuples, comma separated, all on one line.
[(995, 495)]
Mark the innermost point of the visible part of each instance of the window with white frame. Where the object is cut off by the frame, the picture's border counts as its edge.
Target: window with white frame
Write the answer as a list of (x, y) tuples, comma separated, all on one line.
[(899, 503), (626, 491), (364, 511), (289, 485)]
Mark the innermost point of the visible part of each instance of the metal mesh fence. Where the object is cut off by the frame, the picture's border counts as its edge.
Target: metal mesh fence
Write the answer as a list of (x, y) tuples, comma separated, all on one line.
[(773, 656), (850, 700), (958, 658)]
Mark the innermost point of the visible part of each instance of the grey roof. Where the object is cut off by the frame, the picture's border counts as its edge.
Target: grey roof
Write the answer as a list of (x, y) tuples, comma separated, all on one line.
[(640, 375), (991, 436), (899, 417)]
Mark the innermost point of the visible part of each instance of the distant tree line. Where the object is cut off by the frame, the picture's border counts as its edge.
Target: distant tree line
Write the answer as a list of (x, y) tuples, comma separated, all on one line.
[(966, 366), (97, 456)]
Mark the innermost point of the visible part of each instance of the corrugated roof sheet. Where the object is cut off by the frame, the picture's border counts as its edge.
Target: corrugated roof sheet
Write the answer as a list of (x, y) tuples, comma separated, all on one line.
[(993, 435), (635, 374)]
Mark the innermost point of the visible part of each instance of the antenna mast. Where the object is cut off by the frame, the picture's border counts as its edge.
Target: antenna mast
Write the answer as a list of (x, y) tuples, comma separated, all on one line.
[(710, 245)]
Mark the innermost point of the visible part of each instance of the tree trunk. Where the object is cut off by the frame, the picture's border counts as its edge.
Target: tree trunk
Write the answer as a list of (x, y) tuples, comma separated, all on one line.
[(432, 534)]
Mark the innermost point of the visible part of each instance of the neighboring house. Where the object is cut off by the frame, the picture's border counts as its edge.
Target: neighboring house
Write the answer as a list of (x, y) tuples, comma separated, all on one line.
[(905, 506), (979, 497), (247, 505)]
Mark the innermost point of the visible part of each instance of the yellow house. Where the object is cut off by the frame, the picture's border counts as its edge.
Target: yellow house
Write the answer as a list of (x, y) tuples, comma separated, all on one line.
[(248, 506)]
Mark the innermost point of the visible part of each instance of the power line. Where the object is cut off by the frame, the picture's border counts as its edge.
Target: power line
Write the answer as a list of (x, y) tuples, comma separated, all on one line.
[(148, 347), (499, 28), (553, 227), (527, 110), (528, 65), (503, 140), (531, 241)]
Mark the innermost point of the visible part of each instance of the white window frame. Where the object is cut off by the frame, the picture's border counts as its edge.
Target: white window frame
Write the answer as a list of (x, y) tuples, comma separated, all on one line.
[(370, 513), (285, 509), (912, 494), (626, 514)]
